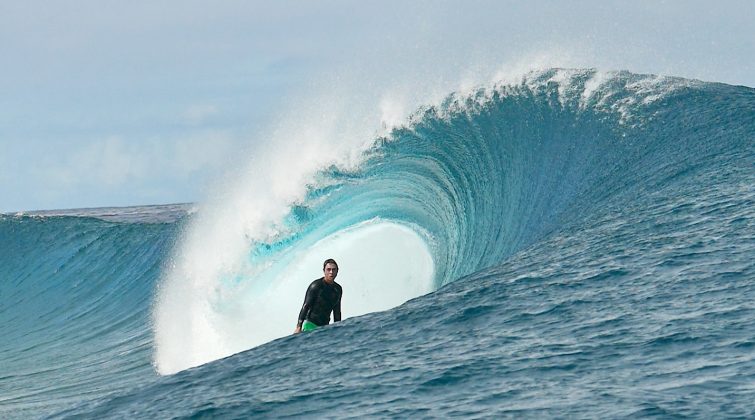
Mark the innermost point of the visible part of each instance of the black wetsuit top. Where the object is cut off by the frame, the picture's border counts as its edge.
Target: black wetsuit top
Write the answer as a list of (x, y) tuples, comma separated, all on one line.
[(320, 300)]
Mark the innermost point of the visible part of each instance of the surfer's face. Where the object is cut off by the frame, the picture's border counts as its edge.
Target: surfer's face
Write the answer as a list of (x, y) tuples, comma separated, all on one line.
[(330, 271)]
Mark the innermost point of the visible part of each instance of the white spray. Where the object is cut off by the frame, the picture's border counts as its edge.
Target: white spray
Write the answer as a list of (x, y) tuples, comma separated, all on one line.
[(200, 316)]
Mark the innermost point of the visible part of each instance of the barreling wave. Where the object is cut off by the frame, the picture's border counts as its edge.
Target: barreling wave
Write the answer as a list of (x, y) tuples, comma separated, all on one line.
[(470, 181), (457, 191), (484, 175)]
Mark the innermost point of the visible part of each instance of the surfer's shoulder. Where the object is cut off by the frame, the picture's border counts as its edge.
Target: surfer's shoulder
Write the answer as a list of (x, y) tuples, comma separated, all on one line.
[(317, 283)]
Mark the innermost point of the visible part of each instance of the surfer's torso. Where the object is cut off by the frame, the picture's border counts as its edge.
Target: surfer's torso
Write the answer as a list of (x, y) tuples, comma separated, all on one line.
[(322, 298)]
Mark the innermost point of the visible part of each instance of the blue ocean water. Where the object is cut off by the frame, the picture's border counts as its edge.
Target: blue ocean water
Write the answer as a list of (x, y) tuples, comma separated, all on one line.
[(593, 242)]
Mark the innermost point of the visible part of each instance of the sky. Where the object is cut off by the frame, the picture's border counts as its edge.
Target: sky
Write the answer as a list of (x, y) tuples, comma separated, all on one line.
[(112, 103)]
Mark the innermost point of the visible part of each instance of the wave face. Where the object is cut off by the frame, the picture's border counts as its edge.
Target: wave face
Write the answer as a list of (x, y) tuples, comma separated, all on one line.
[(579, 244), (76, 292)]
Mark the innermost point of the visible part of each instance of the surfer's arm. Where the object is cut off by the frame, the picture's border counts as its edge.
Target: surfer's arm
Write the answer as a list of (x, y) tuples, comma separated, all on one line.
[(309, 299), (337, 308), (337, 312)]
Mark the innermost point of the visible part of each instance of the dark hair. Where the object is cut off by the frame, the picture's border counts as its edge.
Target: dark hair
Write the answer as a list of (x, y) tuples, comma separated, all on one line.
[(329, 261)]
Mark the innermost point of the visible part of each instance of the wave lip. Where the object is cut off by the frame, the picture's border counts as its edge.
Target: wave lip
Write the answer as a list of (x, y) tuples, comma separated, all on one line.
[(478, 178)]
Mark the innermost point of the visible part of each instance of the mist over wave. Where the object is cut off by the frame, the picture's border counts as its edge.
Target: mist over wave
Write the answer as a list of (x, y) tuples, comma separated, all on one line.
[(476, 178)]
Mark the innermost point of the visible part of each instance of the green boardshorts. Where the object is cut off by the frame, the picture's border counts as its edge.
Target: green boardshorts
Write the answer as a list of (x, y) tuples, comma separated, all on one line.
[(309, 326)]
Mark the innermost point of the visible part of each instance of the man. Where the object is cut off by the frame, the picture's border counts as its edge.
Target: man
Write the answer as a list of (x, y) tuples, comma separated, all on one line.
[(323, 296)]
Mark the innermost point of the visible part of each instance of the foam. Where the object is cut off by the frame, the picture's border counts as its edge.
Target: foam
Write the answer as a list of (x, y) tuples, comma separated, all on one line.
[(383, 264)]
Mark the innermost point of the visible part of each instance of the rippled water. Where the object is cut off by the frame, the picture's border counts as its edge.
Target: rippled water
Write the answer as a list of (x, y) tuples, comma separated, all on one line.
[(593, 255)]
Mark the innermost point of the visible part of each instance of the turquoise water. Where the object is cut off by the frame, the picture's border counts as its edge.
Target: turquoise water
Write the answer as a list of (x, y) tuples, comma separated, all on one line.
[(593, 239)]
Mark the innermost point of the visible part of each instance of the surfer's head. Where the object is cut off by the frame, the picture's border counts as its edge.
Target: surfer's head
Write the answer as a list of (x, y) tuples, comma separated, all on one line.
[(330, 269)]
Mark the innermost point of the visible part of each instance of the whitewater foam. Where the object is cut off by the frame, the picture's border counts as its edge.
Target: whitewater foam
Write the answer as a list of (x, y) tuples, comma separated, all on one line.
[(383, 264)]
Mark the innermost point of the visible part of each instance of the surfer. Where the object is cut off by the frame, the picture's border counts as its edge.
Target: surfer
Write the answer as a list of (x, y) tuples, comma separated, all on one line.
[(323, 296)]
